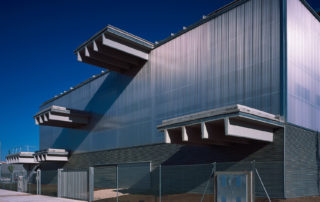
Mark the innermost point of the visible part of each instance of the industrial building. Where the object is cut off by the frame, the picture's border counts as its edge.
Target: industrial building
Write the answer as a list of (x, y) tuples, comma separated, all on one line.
[(240, 85)]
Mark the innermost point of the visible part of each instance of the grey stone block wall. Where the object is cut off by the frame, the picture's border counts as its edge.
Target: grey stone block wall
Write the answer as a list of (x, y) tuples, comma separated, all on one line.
[(301, 162)]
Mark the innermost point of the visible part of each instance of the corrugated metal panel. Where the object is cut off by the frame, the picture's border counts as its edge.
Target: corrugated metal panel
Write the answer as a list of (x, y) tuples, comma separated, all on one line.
[(301, 162), (74, 184), (233, 58), (303, 39)]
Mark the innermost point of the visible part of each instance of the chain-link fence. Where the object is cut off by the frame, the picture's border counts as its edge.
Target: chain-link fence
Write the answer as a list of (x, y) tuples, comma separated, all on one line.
[(197, 182), (32, 183), (140, 181), (187, 182), (49, 180), (15, 178)]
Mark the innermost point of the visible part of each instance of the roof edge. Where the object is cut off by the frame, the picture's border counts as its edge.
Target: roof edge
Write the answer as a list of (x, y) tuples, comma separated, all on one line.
[(207, 18), (74, 88), (315, 13)]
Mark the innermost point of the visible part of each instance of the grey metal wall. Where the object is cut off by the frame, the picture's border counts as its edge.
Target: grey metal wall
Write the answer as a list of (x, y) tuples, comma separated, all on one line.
[(121, 114), (303, 68), (301, 162), (233, 58)]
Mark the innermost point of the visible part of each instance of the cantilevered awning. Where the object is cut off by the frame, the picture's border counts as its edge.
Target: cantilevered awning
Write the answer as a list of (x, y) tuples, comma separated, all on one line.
[(62, 117), (51, 155), (233, 124), (115, 49), (21, 158)]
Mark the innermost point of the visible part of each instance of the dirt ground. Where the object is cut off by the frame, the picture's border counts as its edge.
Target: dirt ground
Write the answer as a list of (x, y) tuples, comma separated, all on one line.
[(104, 194), (301, 199), (109, 195)]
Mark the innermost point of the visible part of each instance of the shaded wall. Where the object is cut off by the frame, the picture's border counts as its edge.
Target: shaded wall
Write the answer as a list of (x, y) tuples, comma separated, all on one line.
[(120, 114), (303, 68)]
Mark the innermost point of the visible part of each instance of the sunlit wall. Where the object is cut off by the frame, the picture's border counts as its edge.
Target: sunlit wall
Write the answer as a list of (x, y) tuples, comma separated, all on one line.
[(303, 66)]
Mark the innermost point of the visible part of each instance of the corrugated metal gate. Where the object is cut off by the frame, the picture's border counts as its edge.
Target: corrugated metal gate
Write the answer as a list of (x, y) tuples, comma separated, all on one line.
[(73, 184)]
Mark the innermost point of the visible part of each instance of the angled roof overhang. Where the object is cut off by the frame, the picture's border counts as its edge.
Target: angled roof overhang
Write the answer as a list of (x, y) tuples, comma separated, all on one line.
[(62, 117), (115, 49), (51, 155), (232, 124), (21, 158)]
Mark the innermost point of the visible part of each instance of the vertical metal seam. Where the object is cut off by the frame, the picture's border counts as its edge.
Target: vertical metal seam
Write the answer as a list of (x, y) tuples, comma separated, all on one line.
[(244, 57), (283, 83), (160, 183), (236, 58), (270, 65), (261, 56), (283, 60)]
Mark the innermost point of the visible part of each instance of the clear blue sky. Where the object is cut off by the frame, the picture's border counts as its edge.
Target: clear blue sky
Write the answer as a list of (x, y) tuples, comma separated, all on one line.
[(38, 37)]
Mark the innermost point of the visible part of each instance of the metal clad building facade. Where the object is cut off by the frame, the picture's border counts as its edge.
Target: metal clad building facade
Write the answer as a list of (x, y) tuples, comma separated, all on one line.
[(232, 59)]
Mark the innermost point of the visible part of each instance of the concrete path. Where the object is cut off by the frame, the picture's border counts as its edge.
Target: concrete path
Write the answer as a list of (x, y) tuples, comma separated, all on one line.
[(12, 196)]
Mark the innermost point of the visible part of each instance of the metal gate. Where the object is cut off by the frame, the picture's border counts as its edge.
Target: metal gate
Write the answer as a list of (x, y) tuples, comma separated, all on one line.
[(75, 184)]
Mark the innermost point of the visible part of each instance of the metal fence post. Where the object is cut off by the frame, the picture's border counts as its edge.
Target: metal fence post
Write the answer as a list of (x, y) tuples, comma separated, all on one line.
[(91, 184), (117, 178), (38, 179), (253, 168), (59, 183), (160, 190)]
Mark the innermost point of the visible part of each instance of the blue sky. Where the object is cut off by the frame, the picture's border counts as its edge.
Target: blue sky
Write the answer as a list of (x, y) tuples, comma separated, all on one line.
[(38, 38)]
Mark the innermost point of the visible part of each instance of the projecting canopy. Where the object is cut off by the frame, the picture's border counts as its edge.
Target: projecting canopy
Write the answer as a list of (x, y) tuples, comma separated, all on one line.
[(62, 117), (233, 124), (116, 50), (21, 158), (51, 155)]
